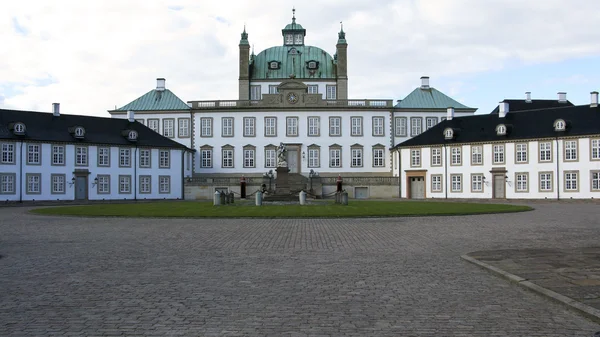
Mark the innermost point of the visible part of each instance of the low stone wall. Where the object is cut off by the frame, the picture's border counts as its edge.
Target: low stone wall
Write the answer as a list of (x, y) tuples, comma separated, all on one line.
[(357, 187)]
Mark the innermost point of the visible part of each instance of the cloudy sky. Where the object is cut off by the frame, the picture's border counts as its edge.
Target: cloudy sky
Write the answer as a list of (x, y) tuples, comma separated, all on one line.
[(94, 55)]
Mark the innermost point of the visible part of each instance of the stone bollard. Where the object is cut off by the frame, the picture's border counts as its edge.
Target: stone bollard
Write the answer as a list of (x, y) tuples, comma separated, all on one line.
[(231, 197), (258, 198), (338, 197), (217, 199), (344, 200), (302, 196), (223, 199)]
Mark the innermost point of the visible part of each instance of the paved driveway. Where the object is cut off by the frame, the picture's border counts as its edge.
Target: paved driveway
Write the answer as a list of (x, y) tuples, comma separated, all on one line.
[(343, 277)]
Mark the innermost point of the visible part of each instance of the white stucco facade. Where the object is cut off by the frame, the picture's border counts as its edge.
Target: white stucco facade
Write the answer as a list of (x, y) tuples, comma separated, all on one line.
[(175, 125)]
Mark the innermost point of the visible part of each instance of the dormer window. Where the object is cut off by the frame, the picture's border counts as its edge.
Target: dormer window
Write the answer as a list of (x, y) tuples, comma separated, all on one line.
[(274, 64), (560, 125), (448, 133), (299, 39), (79, 132), (312, 65), (19, 129), (132, 135), (501, 130)]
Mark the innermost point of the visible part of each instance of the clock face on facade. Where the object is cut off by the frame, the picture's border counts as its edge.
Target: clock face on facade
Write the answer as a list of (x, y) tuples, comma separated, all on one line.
[(292, 97)]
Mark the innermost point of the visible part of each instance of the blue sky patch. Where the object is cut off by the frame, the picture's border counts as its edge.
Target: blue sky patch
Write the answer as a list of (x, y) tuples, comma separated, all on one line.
[(21, 30)]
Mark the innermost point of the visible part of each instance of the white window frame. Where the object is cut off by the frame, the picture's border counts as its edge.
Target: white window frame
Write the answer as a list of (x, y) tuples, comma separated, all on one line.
[(595, 180), (145, 183), (378, 157), (570, 150), (58, 182), (521, 182), (81, 156), (335, 126), (169, 127), (335, 157), (249, 126), (400, 126), (273, 89), (436, 183), (378, 126), (58, 154), (477, 155), (8, 153), (124, 157), (331, 92), (145, 158), (595, 149), (154, 124), (103, 156), (164, 184), (270, 157), (34, 183), (498, 153), (227, 158), (103, 184), (206, 127), (545, 152), (227, 126), (312, 89), (477, 182), (546, 181), (415, 157), (124, 184), (314, 155), (456, 156), (34, 154), (249, 157), (521, 155), (314, 126), (291, 126), (356, 126), (164, 158), (184, 127), (255, 93), (206, 158), (436, 156), (270, 126), (571, 181), (416, 126), (356, 157), (456, 185), (430, 122)]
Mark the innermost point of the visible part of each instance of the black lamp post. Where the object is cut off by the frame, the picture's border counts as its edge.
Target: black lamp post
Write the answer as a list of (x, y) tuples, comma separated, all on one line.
[(312, 174), (270, 175)]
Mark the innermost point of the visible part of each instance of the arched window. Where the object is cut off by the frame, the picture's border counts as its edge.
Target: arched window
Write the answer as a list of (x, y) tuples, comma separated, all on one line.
[(560, 125), (501, 130), (448, 133), (19, 128), (79, 132), (132, 135)]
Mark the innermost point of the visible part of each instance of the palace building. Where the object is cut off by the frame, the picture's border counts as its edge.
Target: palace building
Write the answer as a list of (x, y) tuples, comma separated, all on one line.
[(297, 95)]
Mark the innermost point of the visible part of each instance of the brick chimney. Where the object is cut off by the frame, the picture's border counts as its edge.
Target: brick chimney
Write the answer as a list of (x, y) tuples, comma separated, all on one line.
[(593, 99), (528, 97), (562, 97), (424, 82), (503, 109), (56, 109), (160, 84), (449, 113)]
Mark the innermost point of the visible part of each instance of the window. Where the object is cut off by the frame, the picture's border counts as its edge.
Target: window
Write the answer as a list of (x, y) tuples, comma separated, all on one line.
[(274, 65), (153, 125), (313, 89), (164, 184), (571, 181), (416, 126), (378, 157), (436, 156), (227, 127), (560, 125), (499, 154), (595, 183), (58, 183), (521, 153), (33, 154), (400, 126), (456, 156), (227, 156), (448, 133), (270, 126), (357, 157), (205, 127), (476, 155), (595, 149), (331, 92), (378, 129), (270, 157), (145, 184), (249, 156), (81, 156), (124, 157), (545, 181), (501, 130), (132, 135), (206, 157), (164, 158), (570, 150), (168, 128), (430, 122), (313, 126), (415, 158), (249, 124), (291, 126), (312, 65), (79, 132), (124, 184), (19, 128), (335, 126), (477, 183), (103, 156), (456, 182), (289, 39), (298, 39), (314, 154), (273, 89), (545, 152), (335, 157), (522, 182), (8, 153), (356, 126), (34, 183), (145, 158), (436, 183), (184, 127), (58, 155), (103, 184), (255, 92)]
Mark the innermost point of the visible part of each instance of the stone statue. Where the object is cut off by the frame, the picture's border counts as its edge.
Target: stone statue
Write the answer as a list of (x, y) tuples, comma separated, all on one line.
[(281, 156)]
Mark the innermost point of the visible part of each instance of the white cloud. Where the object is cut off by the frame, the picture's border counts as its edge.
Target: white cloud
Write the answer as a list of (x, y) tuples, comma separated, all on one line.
[(99, 54)]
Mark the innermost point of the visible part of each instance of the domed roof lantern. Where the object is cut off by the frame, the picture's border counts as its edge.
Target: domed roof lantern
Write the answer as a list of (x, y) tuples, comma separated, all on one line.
[(244, 39), (293, 33)]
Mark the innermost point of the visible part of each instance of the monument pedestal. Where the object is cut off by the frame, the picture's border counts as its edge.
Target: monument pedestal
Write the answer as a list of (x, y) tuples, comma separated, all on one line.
[(282, 182)]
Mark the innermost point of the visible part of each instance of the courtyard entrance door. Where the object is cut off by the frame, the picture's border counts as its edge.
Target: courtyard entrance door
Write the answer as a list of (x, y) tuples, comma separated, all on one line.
[(417, 187), (80, 188), (499, 186), (292, 160)]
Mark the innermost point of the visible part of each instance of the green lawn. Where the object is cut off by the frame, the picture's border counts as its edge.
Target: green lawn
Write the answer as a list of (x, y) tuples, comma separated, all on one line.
[(246, 209)]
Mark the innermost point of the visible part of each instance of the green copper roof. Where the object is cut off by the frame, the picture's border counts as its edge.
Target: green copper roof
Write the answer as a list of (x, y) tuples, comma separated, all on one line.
[(429, 99), (292, 63), (156, 100), (293, 26)]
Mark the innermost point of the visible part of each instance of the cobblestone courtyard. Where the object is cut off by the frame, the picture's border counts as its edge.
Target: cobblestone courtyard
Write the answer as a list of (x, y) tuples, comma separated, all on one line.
[(64, 276)]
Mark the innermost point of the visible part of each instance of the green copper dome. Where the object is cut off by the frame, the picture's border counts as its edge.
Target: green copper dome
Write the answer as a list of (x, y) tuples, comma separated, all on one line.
[(293, 26), (292, 60)]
